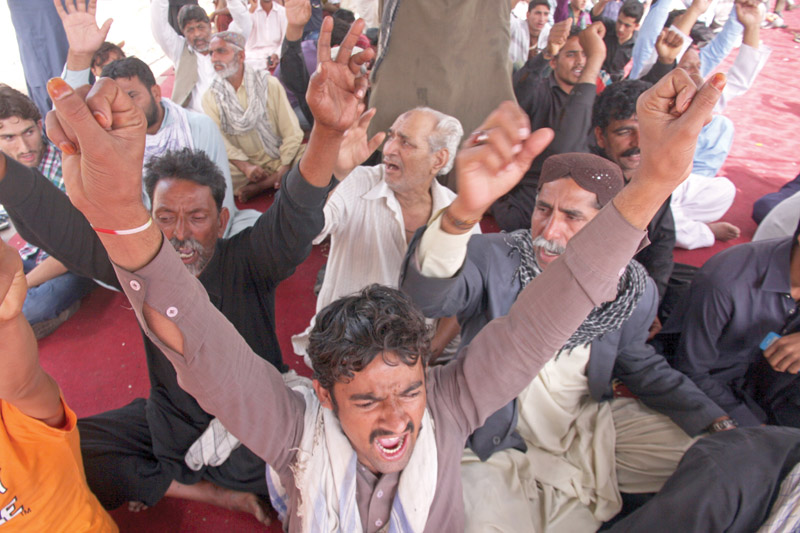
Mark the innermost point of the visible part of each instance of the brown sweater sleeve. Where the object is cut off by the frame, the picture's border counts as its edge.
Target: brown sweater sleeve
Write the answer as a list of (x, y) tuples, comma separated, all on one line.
[(510, 351)]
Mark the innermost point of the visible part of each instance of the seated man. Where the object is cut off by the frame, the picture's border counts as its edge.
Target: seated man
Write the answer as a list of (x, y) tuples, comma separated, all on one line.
[(42, 484), (720, 335), (375, 440), (189, 52), (561, 101), (169, 126), (556, 484), (137, 453), (373, 213), (54, 293), (261, 132), (620, 36), (529, 36), (616, 132)]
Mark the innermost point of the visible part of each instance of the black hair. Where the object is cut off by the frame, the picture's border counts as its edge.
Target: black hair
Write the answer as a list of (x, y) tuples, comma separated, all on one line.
[(535, 3), (617, 102), (15, 104), (349, 333), (632, 8), (191, 13), (185, 164), (100, 57), (130, 67), (345, 15), (339, 32)]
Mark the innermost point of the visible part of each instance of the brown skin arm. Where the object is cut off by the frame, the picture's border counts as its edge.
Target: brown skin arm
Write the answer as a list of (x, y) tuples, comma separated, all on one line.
[(23, 383)]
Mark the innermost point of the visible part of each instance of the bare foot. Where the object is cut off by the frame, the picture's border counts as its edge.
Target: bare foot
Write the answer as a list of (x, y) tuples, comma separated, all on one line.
[(723, 231), (245, 502), (135, 507), (251, 190)]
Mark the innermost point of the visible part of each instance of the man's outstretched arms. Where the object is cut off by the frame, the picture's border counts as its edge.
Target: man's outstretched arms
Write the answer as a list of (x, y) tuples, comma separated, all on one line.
[(671, 115)]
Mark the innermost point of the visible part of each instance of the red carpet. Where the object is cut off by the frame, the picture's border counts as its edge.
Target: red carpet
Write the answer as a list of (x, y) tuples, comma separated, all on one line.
[(97, 356)]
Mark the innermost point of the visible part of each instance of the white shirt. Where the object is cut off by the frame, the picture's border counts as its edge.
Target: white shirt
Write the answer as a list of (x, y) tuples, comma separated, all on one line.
[(368, 237), (172, 44), (266, 35), (520, 45)]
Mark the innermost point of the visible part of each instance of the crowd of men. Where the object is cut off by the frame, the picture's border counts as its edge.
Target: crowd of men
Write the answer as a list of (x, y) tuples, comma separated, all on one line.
[(596, 383)]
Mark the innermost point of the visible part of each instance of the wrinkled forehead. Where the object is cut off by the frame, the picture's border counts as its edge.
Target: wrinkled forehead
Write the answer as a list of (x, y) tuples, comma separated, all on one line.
[(414, 124)]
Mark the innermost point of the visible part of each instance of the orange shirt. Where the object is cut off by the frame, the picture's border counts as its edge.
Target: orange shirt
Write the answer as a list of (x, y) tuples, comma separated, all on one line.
[(42, 482)]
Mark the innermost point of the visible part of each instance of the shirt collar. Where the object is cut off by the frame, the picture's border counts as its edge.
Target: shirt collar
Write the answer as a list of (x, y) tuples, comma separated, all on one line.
[(777, 277), (439, 195)]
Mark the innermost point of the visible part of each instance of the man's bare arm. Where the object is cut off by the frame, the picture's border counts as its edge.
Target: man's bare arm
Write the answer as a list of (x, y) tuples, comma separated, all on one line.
[(23, 383)]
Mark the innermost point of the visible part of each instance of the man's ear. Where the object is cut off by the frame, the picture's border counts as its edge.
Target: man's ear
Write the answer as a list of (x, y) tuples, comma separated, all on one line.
[(155, 90), (599, 137), (325, 396), (224, 217), (440, 159)]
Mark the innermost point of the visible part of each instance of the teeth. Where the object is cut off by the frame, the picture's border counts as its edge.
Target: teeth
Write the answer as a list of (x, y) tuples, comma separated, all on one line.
[(394, 449), (186, 255)]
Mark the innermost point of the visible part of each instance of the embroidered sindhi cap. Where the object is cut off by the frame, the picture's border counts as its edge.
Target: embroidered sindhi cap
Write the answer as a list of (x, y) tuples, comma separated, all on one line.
[(594, 173), (236, 39)]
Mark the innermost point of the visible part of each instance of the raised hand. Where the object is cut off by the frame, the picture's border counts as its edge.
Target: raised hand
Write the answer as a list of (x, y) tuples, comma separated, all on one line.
[(494, 158), (558, 37), (671, 115), (13, 287), (591, 39), (337, 88), (355, 147), (80, 24), (298, 12), (101, 136), (668, 44)]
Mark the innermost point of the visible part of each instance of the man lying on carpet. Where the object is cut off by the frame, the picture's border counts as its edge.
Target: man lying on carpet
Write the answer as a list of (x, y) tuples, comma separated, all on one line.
[(136, 453), (382, 430), (42, 485)]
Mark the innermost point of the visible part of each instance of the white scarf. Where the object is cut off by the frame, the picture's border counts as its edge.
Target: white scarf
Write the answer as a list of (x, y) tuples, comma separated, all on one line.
[(236, 121), (174, 133), (325, 473)]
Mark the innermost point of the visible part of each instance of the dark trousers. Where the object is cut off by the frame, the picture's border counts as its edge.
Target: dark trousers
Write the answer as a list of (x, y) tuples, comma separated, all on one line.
[(725, 482), (121, 463)]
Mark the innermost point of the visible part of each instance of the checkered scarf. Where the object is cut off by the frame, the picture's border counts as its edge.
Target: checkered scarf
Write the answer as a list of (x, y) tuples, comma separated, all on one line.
[(604, 318)]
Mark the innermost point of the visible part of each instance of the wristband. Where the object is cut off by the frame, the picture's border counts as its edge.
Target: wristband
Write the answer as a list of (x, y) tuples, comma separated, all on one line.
[(460, 224), (125, 231)]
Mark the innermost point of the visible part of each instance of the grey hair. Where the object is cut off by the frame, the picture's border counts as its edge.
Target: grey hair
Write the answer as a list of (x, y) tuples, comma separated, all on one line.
[(445, 135)]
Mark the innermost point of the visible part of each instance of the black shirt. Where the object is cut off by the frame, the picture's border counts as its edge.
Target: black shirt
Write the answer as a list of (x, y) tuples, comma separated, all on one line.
[(241, 279), (617, 55)]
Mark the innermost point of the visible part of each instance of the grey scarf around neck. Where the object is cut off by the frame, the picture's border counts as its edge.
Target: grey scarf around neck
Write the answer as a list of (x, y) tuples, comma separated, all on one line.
[(604, 318), (237, 121)]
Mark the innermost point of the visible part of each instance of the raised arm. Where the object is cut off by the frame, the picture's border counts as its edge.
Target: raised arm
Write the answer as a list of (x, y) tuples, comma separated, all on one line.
[(23, 383), (44, 216), (166, 37), (643, 50), (103, 144), (83, 34), (671, 115)]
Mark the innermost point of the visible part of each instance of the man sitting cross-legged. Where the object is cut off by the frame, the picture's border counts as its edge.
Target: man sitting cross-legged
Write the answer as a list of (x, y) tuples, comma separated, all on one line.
[(169, 126), (42, 486), (376, 440), (54, 293), (261, 131), (136, 453), (581, 451)]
